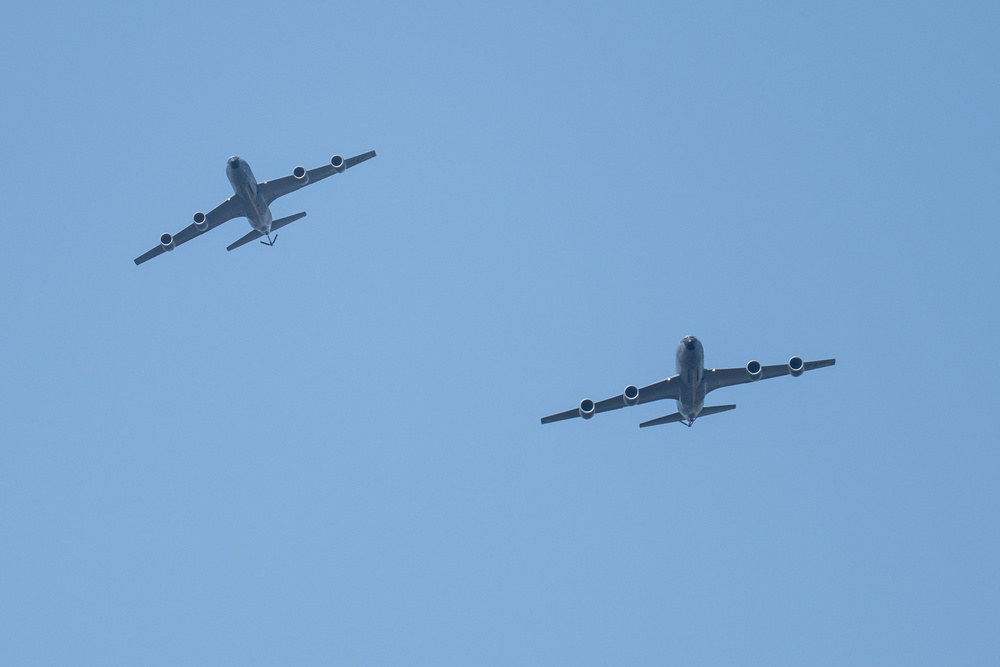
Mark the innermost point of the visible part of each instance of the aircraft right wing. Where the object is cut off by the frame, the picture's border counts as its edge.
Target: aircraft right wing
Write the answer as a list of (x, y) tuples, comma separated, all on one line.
[(716, 378), (224, 212), (669, 388), (280, 187)]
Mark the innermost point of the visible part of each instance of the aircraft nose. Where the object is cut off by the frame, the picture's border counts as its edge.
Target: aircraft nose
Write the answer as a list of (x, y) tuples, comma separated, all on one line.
[(234, 162), (689, 342)]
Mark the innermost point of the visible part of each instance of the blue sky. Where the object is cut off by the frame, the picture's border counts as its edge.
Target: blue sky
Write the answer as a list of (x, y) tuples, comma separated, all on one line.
[(328, 452)]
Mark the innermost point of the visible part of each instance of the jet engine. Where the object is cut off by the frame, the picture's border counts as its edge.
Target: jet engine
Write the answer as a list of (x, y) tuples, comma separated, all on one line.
[(300, 175), (796, 366), (631, 395), (338, 164), (753, 370), (167, 241), (587, 408), (200, 222)]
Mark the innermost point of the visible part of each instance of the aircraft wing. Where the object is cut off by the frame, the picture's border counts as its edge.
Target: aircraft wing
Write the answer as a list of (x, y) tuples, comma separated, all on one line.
[(669, 388), (280, 187), (227, 210), (716, 378)]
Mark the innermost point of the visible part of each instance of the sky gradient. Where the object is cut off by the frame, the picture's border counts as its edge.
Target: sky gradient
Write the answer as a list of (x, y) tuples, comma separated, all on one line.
[(329, 451)]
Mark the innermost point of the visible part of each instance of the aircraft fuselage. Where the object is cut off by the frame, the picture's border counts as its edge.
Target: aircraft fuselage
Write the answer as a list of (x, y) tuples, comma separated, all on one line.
[(245, 186), (691, 369)]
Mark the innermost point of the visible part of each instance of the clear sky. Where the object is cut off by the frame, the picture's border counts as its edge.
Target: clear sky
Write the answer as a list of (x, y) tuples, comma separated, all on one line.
[(329, 452)]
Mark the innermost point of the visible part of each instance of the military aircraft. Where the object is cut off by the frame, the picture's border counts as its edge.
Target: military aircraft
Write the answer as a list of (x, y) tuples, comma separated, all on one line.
[(252, 200), (689, 386)]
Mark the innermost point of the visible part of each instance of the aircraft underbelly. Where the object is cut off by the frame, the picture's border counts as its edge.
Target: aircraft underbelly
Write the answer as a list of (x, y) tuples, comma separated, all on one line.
[(692, 400), (692, 394), (259, 214)]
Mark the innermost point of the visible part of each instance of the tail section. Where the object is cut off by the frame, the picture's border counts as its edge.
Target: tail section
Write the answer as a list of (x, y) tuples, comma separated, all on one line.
[(254, 234), (281, 222), (676, 417)]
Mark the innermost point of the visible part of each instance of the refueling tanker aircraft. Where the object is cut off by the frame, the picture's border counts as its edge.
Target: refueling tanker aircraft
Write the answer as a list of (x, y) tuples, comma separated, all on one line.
[(252, 200), (689, 386)]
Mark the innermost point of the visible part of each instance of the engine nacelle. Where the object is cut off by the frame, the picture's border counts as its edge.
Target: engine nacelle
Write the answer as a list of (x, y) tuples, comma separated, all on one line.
[(300, 175), (631, 395), (200, 222), (167, 241), (587, 408), (338, 164), (754, 370), (796, 366)]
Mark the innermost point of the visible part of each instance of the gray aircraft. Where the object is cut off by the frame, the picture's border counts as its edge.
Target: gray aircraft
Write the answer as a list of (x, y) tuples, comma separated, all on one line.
[(252, 200), (689, 386)]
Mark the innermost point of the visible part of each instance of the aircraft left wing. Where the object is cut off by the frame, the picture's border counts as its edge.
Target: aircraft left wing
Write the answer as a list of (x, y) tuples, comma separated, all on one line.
[(716, 378), (280, 187), (669, 388), (224, 212)]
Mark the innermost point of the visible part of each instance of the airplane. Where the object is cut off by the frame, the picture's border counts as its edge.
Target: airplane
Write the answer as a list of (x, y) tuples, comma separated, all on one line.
[(252, 200), (689, 386)]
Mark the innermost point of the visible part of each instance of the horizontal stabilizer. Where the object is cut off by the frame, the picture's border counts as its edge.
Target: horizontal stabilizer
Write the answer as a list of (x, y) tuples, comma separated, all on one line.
[(715, 409), (254, 234), (281, 222), (676, 417), (669, 419)]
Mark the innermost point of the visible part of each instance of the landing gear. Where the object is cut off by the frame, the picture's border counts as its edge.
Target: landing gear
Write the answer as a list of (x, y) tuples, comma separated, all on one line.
[(269, 241)]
